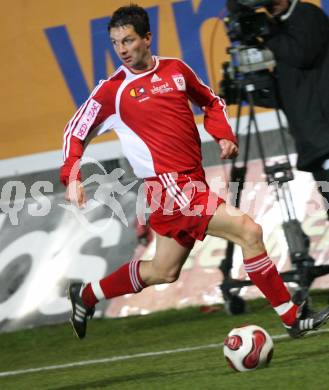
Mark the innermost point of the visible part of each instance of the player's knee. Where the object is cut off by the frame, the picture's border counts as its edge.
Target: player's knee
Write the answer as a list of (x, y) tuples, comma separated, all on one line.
[(252, 232)]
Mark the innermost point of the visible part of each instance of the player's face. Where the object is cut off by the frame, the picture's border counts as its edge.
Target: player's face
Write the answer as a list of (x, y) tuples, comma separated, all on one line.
[(133, 50), (277, 7)]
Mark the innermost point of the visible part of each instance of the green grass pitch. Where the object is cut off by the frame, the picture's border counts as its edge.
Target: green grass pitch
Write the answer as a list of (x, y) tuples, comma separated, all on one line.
[(297, 364)]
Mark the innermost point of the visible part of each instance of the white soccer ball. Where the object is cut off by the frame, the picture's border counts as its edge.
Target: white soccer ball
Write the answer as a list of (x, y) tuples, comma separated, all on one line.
[(248, 348)]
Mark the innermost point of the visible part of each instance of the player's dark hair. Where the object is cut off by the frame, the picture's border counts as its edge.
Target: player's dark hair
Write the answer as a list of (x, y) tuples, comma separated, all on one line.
[(131, 14)]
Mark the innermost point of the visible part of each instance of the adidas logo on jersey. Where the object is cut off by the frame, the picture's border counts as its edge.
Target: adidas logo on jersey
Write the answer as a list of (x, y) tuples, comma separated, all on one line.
[(155, 78)]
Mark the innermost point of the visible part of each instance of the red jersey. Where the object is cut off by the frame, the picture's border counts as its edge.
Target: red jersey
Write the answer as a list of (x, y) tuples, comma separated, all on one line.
[(151, 115)]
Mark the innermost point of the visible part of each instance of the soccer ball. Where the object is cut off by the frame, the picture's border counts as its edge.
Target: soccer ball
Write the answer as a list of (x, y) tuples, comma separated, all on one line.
[(248, 348)]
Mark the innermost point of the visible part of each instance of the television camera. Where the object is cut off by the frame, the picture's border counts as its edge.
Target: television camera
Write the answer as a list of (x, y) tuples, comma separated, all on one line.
[(250, 58), (248, 78)]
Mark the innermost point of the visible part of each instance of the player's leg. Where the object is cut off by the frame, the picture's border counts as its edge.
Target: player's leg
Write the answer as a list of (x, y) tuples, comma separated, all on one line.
[(130, 278), (231, 224), (167, 263)]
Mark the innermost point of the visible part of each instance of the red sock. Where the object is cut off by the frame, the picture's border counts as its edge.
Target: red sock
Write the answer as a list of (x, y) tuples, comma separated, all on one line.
[(125, 280), (264, 274)]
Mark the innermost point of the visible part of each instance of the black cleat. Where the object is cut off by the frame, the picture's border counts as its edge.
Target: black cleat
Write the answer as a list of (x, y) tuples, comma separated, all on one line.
[(307, 321), (80, 312)]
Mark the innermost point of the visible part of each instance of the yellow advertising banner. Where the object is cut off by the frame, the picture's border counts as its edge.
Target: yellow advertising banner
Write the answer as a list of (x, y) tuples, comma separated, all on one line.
[(54, 52)]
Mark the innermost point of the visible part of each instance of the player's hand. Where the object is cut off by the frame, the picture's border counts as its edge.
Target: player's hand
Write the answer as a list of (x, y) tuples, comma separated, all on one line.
[(75, 193), (228, 149)]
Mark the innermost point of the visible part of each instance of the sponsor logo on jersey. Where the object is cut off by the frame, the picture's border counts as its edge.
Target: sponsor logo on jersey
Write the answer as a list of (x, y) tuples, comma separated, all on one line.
[(179, 81), (143, 99), (163, 88), (155, 78), (137, 92), (87, 119)]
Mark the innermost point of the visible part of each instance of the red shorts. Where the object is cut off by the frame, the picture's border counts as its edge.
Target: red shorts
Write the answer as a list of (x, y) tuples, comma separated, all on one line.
[(181, 205)]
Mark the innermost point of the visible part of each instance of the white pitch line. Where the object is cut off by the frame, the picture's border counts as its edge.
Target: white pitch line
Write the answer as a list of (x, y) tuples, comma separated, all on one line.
[(135, 356)]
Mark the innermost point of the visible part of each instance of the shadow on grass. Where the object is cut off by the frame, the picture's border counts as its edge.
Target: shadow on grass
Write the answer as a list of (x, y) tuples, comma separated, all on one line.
[(150, 375), (302, 357)]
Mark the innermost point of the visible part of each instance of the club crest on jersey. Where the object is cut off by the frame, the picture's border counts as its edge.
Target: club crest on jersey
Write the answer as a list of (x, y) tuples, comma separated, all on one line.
[(179, 81), (137, 92)]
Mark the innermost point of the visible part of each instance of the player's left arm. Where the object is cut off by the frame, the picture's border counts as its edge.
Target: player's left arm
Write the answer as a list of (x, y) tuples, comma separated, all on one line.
[(228, 149), (216, 120)]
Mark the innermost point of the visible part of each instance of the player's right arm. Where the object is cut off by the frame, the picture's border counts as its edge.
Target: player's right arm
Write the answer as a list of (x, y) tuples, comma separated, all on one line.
[(91, 119), (75, 193)]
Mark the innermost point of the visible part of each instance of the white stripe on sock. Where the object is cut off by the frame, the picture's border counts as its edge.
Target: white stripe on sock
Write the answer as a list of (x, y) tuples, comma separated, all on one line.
[(140, 287), (131, 275), (267, 268), (97, 290), (259, 266), (257, 262), (284, 308)]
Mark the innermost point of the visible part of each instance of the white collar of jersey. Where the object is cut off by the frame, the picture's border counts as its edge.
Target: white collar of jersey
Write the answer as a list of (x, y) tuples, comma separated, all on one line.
[(131, 74)]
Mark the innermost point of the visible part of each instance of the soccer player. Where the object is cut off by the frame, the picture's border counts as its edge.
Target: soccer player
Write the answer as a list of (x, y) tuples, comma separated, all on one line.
[(146, 101)]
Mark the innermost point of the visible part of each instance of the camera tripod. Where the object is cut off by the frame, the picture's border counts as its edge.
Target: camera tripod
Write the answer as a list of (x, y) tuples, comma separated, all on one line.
[(303, 270)]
